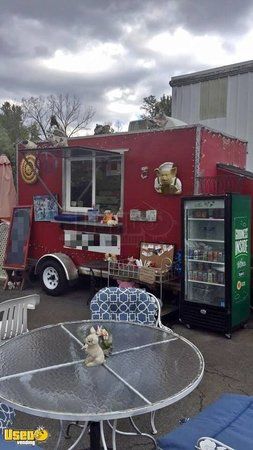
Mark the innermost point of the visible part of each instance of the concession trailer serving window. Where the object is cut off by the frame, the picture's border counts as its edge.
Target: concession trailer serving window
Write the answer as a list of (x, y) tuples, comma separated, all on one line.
[(91, 177), (94, 180)]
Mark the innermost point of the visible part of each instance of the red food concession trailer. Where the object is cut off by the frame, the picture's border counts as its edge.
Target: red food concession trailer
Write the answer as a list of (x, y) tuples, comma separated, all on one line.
[(110, 193)]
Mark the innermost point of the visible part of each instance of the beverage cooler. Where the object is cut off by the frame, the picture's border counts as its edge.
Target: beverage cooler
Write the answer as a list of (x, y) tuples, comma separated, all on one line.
[(216, 262)]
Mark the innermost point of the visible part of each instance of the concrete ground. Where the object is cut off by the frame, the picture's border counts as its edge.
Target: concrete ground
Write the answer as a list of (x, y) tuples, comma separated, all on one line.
[(228, 367)]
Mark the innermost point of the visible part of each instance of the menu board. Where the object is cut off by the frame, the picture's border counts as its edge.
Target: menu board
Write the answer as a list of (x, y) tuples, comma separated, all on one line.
[(18, 238)]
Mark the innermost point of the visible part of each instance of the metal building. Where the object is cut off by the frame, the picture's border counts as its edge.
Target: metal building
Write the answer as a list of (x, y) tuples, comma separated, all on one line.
[(220, 98)]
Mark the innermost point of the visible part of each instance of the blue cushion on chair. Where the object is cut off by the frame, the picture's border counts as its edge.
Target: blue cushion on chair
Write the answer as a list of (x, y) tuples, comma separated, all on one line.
[(11, 445), (124, 304), (228, 420), (7, 415)]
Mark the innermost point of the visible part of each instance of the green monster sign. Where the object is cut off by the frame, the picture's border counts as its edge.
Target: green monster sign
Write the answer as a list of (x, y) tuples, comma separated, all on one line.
[(240, 259)]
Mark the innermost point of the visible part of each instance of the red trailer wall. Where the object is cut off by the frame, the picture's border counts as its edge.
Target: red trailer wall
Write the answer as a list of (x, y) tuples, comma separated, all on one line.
[(144, 149), (217, 148), (45, 236), (151, 149)]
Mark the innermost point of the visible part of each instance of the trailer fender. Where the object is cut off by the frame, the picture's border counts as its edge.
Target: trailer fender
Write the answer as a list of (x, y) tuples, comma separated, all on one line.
[(66, 262)]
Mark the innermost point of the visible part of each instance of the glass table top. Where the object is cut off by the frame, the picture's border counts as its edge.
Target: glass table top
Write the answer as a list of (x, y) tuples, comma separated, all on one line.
[(43, 372)]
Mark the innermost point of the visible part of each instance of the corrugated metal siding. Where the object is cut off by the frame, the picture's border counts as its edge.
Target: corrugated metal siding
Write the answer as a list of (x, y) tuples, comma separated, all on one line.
[(185, 103), (239, 117), (213, 99)]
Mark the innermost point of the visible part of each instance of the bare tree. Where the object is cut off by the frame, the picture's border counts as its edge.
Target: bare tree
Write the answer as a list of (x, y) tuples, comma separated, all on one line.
[(66, 108), (36, 109), (118, 125)]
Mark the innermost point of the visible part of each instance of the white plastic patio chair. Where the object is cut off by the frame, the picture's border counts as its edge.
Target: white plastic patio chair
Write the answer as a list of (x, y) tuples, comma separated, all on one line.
[(13, 323), (14, 315)]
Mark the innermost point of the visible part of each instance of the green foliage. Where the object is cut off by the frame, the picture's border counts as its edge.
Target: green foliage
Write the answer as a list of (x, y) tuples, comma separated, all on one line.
[(6, 146), (8, 149), (152, 106), (165, 104), (11, 118), (13, 130)]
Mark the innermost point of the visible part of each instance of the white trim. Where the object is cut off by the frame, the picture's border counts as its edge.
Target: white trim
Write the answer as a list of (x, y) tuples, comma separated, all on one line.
[(66, 188), (93, 193), (197, 159), (63, 184), (17, 172), (68, 183), (122, 186)]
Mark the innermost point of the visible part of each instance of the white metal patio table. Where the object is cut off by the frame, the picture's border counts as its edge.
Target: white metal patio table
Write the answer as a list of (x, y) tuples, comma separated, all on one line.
[(43, 374)]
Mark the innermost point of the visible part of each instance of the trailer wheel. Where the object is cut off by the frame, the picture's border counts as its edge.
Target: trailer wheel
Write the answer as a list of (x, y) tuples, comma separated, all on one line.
[(52, 278)]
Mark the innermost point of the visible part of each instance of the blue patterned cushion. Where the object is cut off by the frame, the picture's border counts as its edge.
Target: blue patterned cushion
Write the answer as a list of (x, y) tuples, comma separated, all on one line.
[(128, 304), (7, 415)]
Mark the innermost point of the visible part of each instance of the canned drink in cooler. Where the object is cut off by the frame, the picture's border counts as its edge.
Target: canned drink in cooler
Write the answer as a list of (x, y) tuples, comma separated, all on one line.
[(191, 253), (210, 276), (205, 276), (205, 255), (220, 256)]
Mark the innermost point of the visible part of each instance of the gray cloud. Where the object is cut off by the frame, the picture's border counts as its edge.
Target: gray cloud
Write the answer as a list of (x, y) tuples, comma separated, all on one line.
[(224, 16), (32, 31)]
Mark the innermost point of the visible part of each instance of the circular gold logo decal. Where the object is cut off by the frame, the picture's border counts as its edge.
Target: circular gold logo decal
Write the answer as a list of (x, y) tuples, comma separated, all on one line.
[(239, 285), (29, 169)]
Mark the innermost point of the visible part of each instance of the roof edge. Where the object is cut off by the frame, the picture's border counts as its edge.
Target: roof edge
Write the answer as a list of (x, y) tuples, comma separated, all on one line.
[(235, 170), (211, 74)]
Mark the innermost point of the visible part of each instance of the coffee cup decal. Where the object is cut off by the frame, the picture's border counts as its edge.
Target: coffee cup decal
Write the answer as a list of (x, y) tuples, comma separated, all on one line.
[(166, 181)]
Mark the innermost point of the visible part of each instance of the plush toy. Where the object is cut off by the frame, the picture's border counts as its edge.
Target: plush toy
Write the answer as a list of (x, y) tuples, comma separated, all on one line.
[(131, 261), (109, 218), (110, 257), (114, 220), (95, 353)]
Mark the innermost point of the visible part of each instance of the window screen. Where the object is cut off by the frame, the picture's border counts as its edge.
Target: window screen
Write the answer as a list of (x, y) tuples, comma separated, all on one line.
[(81, 183)]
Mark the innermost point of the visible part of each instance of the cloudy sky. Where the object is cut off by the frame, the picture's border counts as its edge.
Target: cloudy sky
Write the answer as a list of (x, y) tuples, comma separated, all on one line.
[(112, 53)]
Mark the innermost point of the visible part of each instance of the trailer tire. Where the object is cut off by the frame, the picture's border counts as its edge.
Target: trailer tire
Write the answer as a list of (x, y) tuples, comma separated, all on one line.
[(53, 278)]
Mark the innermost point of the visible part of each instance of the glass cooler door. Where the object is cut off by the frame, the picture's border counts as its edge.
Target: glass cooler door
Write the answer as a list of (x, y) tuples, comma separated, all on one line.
[(204, 251)]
